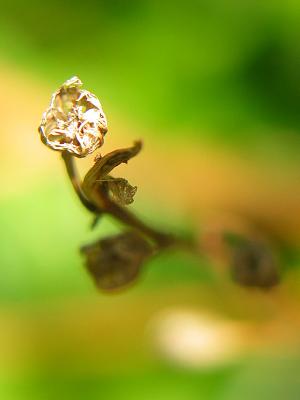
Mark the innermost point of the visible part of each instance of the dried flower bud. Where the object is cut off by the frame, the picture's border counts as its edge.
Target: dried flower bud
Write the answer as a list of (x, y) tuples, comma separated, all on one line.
[(253, 264), (115, 262), (74, 121)]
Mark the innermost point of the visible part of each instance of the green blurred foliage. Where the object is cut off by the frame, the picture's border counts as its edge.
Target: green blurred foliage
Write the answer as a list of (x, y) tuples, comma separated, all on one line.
[(228, 68), (260, 379)]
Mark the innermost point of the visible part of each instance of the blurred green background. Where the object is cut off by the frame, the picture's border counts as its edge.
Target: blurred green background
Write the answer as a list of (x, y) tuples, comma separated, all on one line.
[(213, 89)]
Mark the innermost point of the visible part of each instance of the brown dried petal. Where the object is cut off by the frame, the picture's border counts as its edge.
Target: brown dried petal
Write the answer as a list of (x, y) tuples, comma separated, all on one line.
[(116, 261), (75, 121)]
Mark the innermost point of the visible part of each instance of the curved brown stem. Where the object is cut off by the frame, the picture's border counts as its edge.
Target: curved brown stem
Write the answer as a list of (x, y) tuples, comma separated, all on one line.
[(128, 218), (102, 204), (76, 183)]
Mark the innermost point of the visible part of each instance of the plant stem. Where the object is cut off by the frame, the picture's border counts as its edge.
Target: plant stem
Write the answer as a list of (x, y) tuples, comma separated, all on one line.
[(102, 204), (75, 180)]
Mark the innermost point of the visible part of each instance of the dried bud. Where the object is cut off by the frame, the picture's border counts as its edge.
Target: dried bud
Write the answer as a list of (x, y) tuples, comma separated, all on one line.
[(253, 264), (74, 121), (115, 262)]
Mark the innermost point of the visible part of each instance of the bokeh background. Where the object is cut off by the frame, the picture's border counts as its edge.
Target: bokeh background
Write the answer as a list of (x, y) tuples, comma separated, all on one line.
[(213, 89)]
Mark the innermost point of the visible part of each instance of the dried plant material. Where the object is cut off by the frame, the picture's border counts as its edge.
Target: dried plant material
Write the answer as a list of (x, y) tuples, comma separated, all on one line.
[(253, 264), (74, 121), (120, 190), (116, 261), (75, 124), (104, 165)]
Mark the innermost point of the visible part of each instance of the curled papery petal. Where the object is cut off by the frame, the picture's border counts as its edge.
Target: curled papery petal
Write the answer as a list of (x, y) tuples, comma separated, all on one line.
[(74, 121)]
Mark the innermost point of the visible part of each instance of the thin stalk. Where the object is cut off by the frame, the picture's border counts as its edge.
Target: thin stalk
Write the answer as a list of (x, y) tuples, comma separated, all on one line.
[(76, 182), (103, 205)]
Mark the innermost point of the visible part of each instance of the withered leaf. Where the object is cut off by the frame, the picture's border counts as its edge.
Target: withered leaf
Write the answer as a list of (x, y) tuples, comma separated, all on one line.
[(120, 190), (104, 165), (116, 261)]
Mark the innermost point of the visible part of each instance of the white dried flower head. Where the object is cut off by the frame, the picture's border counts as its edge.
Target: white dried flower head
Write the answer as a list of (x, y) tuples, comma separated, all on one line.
[(74, 121)]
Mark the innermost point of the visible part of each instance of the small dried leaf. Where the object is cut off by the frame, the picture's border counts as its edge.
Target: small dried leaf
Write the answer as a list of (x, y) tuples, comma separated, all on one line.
[(104, 165), (116, 261), (253, 264), (120, 190)]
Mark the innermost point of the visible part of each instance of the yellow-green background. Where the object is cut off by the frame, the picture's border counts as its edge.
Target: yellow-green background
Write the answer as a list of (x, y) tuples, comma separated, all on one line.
[(213, 89)]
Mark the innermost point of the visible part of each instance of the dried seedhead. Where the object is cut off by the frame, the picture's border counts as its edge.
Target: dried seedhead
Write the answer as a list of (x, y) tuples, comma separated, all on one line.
[(116, 261), (254, 264), (74, 121)]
